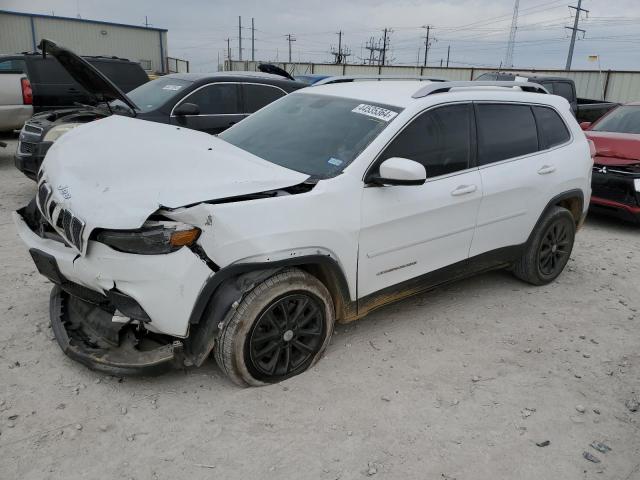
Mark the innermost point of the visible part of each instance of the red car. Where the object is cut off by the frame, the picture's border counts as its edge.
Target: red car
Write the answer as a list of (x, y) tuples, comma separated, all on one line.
[(616, 169)]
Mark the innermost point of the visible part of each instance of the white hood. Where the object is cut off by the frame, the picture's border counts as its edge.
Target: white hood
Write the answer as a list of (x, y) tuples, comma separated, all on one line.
[(114, 173)]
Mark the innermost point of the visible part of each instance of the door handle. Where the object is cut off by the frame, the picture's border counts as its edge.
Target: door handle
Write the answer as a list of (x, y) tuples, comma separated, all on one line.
[(463, 190), (546, 169)]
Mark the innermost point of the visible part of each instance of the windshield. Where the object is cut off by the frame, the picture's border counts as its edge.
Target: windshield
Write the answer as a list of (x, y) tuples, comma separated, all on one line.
[(622, 120), (153, 94), (314, 134)]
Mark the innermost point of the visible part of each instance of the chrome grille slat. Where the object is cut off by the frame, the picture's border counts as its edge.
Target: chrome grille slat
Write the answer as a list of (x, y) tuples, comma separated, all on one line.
[(60, 218)]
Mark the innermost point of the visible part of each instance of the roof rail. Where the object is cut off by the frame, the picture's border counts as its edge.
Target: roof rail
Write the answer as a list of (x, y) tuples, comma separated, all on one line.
[(354, 78), (446, 86)]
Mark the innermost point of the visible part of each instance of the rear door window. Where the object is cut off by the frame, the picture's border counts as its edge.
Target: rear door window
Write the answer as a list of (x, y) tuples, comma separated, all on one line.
[(505, 131), (14, 65), (553, 129), (564, 89), (216, 99), (258, 96), (439, 139)]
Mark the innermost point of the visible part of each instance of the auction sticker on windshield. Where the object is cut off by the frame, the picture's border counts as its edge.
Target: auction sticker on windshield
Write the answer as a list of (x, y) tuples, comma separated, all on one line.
[(375, 112)]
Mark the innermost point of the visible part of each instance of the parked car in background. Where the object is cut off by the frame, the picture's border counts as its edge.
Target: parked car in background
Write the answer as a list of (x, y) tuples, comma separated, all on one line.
[(616, 169), (311, 78), (201, 101), (16, 95), (585, 110), (165, 244)]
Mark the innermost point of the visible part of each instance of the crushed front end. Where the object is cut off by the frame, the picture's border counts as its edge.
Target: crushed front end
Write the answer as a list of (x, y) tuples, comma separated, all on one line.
[(114, 312), (616, 190)]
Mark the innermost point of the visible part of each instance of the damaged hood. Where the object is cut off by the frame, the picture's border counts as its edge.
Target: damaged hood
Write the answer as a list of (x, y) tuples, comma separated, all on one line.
[(115, 172), (615, 149)]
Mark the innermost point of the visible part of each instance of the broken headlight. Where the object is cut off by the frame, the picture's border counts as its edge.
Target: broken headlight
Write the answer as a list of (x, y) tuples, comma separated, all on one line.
[(56, 132), (153, 238)]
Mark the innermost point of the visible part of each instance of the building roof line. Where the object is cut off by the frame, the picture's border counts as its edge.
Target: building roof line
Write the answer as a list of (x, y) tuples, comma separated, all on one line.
[(98, 22)]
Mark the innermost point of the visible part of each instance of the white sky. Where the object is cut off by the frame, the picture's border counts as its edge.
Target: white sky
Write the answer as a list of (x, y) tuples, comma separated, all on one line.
[(476, 30)]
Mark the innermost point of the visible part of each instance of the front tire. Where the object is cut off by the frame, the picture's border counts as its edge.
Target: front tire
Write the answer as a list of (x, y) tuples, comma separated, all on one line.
[(279, 329), (548, 252)]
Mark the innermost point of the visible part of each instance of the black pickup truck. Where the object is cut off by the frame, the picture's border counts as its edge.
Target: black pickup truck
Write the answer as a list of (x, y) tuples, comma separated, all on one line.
[(584, 109)]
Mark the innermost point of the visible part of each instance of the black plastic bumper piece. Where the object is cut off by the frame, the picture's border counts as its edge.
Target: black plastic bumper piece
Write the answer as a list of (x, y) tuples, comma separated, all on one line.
[(86, 334)]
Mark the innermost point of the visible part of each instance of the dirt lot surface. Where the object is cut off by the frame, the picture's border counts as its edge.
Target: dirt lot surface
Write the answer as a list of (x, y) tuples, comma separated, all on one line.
[(459, 383)]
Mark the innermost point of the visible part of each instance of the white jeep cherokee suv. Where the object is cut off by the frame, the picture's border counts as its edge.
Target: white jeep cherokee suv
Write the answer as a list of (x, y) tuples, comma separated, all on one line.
[(166, 244)]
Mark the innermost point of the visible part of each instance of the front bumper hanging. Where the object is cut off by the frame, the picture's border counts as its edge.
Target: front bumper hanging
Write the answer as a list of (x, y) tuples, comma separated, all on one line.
[(86, 333)]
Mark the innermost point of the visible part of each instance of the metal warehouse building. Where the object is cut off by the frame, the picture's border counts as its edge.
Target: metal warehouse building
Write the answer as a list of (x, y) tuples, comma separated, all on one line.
[(21, 32)]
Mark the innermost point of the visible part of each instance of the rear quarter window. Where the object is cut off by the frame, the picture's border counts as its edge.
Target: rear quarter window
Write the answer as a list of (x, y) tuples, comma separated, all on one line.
[(505, 131), (552, 128), (126, 75)]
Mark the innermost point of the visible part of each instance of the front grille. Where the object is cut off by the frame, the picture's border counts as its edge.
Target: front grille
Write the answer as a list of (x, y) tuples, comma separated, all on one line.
[(66, 224), (44, 192), (27, 147), (32, 129)]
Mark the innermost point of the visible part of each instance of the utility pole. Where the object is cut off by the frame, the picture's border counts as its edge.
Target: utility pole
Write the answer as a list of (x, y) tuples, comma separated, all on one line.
[(448, 51), (240, 38), (146, 22), (290, 39), (340, 56), (426, 44), (384, 47), (508, 59), (574, 30), (229, 52), (253, 41)]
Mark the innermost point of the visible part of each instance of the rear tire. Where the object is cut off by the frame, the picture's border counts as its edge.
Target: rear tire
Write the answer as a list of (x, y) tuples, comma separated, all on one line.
[(279, 330), (549, 250)]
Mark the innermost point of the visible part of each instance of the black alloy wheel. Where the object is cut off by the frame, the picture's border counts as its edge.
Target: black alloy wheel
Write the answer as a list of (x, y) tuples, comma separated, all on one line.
[(555, 248), (286, 337)]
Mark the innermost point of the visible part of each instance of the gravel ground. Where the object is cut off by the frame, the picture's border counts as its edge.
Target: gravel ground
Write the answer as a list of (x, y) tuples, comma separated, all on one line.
[(459, 383)]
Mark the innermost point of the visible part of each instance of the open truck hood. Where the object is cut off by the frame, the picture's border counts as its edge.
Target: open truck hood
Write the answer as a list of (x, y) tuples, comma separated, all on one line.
[(615, 149), (91, 79), (115, 172)]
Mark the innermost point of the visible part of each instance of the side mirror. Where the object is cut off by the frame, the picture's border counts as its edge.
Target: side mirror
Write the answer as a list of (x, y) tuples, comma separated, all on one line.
[(399, 171), (585, 125), (186, 109)]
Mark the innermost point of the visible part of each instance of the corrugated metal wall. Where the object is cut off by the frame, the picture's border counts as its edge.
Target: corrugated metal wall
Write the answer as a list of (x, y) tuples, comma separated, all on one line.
[(84, 38), (620, 86), (15, 34)]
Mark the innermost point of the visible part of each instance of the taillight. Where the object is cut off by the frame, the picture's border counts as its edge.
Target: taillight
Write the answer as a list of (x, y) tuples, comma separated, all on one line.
[(27, 93), (592, 148)]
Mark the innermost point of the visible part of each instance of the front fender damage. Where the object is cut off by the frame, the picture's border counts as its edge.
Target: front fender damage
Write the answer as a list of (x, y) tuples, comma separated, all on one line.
[(221, 306)]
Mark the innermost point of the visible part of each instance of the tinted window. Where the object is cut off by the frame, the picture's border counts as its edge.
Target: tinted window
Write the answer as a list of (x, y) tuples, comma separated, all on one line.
[(314, 134), (505, 131), (625, 119), (554, 131), (564, 89), (48, 71), (13, 65), (125, 75), (258, 96), (216, 99), (548, 86), (439, 139)]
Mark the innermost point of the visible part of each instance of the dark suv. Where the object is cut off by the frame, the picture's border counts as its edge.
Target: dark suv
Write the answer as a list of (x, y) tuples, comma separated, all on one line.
[(54, 88), (209, 102)]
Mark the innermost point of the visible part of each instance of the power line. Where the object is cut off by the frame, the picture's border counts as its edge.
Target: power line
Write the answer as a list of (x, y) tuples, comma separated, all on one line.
[(574, 30)]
